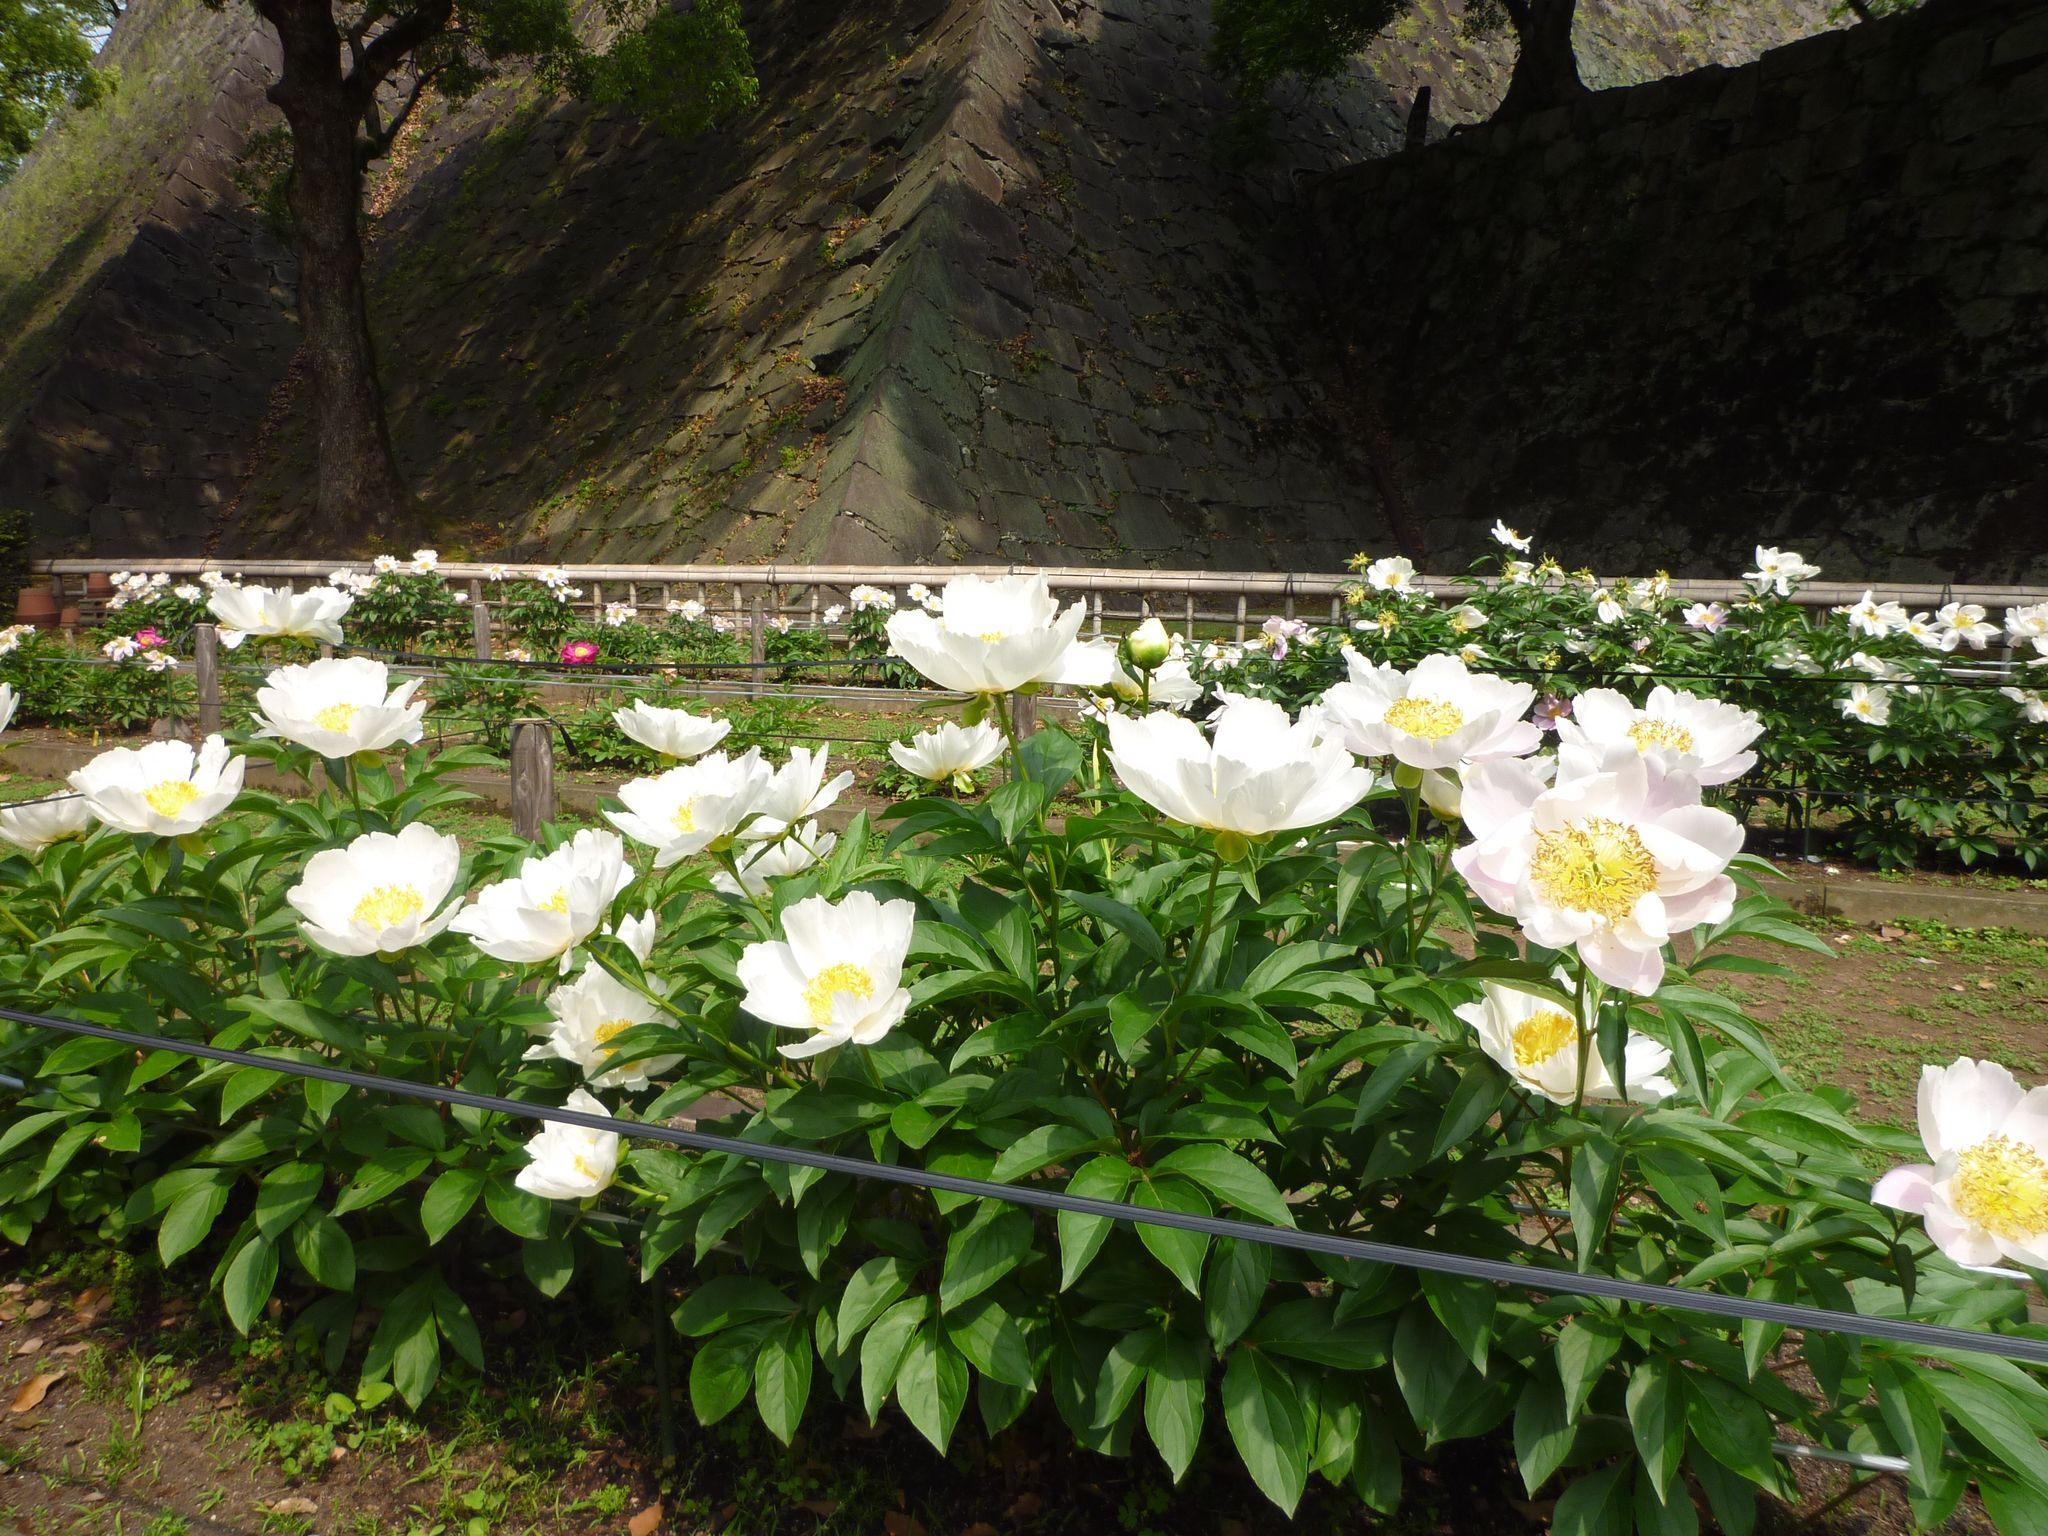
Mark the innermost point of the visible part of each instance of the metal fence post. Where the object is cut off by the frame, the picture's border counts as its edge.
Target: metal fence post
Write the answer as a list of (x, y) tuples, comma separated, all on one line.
[(480, 629), (206, 673), (533, 777)]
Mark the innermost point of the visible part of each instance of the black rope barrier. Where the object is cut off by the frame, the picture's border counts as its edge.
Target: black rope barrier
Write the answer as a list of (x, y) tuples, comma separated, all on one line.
[(1929, 1336)]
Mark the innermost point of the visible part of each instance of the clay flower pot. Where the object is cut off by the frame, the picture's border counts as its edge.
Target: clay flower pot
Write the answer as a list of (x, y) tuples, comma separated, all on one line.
[(69, 618), (99, 586), (37, 606)]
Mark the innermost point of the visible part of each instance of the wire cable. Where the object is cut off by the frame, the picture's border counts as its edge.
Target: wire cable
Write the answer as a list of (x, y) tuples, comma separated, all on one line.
[(1928, 1336)]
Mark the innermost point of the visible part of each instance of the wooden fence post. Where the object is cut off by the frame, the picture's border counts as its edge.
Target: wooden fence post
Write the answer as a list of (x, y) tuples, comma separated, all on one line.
[(533, 777), (1023, 714), (480, 628), (206, 673), (758, 649)]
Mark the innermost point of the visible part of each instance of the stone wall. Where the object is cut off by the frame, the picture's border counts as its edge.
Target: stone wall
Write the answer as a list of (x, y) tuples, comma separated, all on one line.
[(1803, 302), (139, 427)]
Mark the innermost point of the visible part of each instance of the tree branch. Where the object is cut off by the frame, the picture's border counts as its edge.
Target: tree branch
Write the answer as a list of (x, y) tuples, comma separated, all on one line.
[(379, 140), (388, 49)]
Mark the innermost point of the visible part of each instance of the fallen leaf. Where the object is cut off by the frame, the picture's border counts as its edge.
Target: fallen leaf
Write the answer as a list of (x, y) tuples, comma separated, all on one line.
[(70, 1350), (824, 1509), (34, 1390), (295, 1505), (38, 1308), (29, 1345), (979, 1528), (898, 1524), (647, 1522), (1025, 1505)]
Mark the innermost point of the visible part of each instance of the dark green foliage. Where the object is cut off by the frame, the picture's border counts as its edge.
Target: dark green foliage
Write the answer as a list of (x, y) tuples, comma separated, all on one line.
[(13, 558), (46, 52), (1258, 42)]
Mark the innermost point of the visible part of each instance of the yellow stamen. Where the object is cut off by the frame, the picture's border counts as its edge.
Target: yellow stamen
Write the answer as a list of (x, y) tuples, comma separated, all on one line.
[(686, 816), (609, 1030), (824, 987), (1541, 1036), (1595, 865), (337, 718), (387, 906), (2002, 1186), (1426, 718), (559, 902), (171, 797), (1660, 733), (990, 637), (576, 1160)]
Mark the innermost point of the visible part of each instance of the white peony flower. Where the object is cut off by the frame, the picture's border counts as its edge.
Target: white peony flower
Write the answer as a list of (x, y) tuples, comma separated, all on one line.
[(1985, 1195), (1508, 537), (1536, 1042), (594, 1009), (383, 893), (1518, 573), (1393, 573), (554, 903), (1608, 608), (1965, 622), (271, 612), (2028, 626), (1435, 716), (33, 825), (1869, 702), (1703, 737), (1867, 616), (164, 789), (9, 702), (384, 565), (796, 790), (671, 732), (618, 615), (12, 637), (2033, 705), (1921, 627), (497, 571), (1779, 571), (949, 754), (185, 592), (832, 615), (759, 863), (837, 972), (1465, 618), (1613, 858), (121, 648), (338, 706), (865, 598), (989, 636), (1263, 773), (691, 808), (425, 562), (570, 1162)]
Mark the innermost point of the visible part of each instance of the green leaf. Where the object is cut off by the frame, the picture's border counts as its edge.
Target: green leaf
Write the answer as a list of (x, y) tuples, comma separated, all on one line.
[(1263, 1410), (1039, 1146), (727, 1301), (1082, 1237), (870, 1291), (992, 1341), (1238, 1276), (1734, 1427), (982, 1252), (1596, 1180), (1472, 1104), (782, 1378), (1232, 1179), (882, 1348), (382, 1176), (1656, 1416), (1390, 1077), (190, 1217), (247, 1285), (325, 1251), (1597, 1504), (931, 1387), (1465, 1308), (1175, 1387), (1179, 1250), (1307, 1329), (1988, 1414), (1128, 921), (549, 1263), (286, 1192), (722, 1372), (1688, 1188), (448, 1199), (1543, 1432), (1663, 1514)]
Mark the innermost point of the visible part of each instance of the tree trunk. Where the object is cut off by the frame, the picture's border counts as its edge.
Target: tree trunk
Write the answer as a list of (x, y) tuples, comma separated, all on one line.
[(1546, 69), (360, 491)]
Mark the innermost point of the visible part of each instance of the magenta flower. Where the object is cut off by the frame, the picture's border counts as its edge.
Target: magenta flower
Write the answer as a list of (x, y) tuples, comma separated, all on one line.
[(578, 652), (148, 638)]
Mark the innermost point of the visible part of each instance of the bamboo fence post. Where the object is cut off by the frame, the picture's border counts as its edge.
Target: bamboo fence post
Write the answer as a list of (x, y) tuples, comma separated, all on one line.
[(480, 628), (1240, 618), (206, 674), (533, 777)]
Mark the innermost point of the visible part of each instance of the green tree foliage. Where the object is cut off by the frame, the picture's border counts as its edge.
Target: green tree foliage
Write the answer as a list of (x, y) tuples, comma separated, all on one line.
[(46, 53)]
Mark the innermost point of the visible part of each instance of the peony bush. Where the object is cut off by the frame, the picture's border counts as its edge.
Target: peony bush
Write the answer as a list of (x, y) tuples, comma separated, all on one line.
[(1376, 964)]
